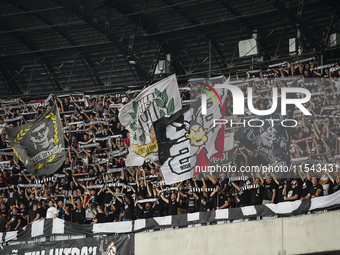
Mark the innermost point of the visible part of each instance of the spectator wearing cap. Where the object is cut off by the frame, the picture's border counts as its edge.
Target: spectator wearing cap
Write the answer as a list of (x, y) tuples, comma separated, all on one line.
[(315, 191), (292, 192)]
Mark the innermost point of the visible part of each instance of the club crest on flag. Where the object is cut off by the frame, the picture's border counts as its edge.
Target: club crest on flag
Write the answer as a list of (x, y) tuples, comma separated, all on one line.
[(40, 145), (159, 100)]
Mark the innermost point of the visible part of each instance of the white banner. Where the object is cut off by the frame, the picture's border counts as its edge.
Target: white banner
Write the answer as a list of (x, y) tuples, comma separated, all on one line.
[(158, 100)]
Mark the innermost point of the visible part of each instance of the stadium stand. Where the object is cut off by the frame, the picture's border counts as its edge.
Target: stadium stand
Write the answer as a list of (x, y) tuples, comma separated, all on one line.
[(94, 186)]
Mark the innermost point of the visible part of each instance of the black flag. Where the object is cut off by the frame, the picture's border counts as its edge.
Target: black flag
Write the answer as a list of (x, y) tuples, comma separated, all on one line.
[(40, 145), (270, 141)]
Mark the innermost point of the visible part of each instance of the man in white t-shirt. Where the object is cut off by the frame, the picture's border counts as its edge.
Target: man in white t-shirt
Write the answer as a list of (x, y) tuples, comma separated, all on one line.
[(52, 211)]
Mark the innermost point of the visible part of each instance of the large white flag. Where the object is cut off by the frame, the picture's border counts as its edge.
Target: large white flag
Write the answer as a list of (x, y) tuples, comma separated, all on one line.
[(160, 99)]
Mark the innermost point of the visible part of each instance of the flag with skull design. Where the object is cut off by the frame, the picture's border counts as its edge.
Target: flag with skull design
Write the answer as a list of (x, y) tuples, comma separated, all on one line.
[(40, 144)]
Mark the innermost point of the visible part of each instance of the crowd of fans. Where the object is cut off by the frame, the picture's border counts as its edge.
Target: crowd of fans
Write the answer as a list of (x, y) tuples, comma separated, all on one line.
[(94, 186)]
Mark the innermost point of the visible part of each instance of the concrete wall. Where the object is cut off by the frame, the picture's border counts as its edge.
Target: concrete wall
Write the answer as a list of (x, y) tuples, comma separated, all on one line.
[(293, 235)]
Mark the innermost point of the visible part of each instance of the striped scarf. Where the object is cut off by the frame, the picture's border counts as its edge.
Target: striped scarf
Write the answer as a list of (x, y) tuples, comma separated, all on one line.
[(252, 186), (203, 189), (238, 178)]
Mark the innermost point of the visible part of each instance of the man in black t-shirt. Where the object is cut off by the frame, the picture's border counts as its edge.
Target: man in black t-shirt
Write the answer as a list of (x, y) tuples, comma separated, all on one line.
[(269, 191), (42, 209), (204, 207), (220, 200), (243, 198), (292, 193), (3, 217), (129, 208), (78, 213), (15, 221), (24, 214), (148, 210), (256, 193), (193, 202), (110, 211), (315, 191), (173, 203), (306, 185), (100, 217), (33, 214)]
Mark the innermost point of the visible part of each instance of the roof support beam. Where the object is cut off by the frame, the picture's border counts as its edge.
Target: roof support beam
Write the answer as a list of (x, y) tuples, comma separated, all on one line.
[(5, 82), (31, 48), (248, 28), (298, 24), (130, 58), (48, 72), (125, 9), (155, 61), (10, 80), (329, 26), (63, 34), (209, 40)]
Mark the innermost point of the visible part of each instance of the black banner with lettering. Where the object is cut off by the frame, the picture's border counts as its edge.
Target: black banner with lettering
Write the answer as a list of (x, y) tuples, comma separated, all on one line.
[(109, 245)]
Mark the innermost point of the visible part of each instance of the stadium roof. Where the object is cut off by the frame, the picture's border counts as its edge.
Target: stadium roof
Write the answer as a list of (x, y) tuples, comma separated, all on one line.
[(58, 46)]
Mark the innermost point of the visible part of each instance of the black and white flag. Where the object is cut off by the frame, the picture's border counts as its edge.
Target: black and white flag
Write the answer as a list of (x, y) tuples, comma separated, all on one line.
[(154, 102), (40, 145), (271, 140)]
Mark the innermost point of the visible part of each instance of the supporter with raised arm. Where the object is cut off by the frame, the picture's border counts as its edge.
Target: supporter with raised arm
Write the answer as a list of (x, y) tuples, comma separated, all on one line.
[(269, 191), (173, 203), (243, 197), (219, 199), (78, 212), (336, 182)]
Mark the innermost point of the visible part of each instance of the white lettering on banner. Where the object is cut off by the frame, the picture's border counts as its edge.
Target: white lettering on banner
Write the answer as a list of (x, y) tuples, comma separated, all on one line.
[(67, 251), (45, 154)]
